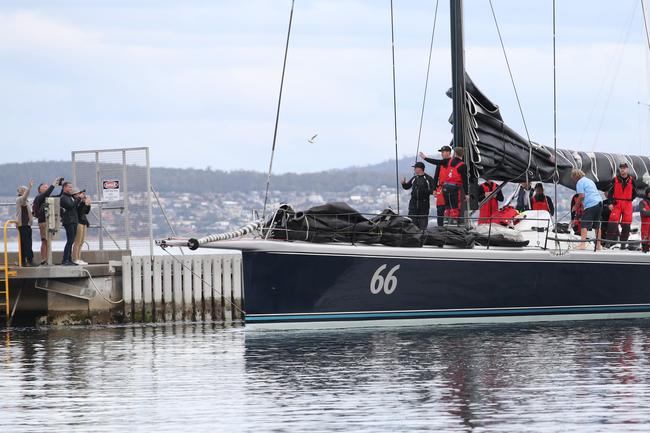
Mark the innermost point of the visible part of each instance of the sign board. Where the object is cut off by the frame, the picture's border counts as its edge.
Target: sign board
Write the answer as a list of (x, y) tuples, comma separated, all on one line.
[(110, 190)]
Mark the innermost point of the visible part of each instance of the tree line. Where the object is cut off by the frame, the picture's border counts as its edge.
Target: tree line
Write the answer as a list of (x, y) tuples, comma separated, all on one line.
[(166, 180)]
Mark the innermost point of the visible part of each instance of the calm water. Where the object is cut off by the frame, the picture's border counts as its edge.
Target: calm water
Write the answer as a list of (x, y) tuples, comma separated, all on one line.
[(553, 377)]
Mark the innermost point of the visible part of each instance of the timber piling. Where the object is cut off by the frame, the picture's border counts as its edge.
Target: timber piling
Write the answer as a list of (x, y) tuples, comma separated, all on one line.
[(196, 288)]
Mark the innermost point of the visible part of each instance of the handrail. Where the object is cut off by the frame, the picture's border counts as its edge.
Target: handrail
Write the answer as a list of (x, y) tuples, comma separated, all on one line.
[(20, 252), (6, 264)]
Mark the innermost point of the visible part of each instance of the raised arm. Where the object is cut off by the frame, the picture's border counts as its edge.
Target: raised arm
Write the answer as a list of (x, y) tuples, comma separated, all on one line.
[(409, 184), (22, 199)]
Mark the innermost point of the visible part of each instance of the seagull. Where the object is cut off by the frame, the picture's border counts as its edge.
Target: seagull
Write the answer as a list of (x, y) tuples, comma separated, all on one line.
[(312, 139)]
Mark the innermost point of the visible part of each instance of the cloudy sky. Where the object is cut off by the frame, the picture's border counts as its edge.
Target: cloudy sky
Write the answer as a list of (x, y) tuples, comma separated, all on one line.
[(197, 81)]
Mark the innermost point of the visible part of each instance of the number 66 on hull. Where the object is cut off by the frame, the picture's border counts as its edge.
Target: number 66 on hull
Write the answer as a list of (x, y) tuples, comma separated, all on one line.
[(387, 284)]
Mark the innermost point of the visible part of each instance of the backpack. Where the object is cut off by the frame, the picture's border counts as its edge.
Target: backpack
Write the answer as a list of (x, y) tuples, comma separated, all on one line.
[(36, 208)]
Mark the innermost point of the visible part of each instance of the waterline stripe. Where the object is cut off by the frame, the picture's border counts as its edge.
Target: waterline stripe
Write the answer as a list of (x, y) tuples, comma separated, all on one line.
[(454, 313)]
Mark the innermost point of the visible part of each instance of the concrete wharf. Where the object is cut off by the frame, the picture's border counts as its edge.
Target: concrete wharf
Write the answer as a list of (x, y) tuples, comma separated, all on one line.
[(116, 287)]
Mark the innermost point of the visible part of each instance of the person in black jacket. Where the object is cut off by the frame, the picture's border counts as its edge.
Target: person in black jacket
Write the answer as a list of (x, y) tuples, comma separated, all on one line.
[(38, 210), (69, 220), (421, 186), (83, 208), (524, 195)]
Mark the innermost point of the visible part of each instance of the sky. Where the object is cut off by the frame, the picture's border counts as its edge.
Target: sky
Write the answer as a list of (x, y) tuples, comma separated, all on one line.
[(197, 80)]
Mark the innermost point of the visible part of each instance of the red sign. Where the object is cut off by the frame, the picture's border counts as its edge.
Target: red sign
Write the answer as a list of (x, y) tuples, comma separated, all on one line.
[(111, 184)]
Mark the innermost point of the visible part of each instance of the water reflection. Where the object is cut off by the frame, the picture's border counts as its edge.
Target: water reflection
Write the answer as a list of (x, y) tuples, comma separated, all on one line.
[(547, 377), (551, 377)]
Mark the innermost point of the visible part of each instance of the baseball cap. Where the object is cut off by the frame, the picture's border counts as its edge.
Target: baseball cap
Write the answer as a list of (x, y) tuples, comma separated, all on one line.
[(444, 149), (418, 164), (623, 164)]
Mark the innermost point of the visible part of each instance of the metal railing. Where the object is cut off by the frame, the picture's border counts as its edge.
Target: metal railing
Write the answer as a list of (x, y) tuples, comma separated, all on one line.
[(279, 230)]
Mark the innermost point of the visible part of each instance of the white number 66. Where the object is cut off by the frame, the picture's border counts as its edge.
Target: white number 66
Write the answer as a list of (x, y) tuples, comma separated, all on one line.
[(379, 283)]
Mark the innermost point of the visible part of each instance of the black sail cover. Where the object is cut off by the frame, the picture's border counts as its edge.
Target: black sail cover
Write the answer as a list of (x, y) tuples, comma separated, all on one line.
[(499, 153)]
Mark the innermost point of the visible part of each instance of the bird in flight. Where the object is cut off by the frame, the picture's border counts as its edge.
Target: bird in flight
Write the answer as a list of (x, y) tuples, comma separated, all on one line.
[(312, 139)]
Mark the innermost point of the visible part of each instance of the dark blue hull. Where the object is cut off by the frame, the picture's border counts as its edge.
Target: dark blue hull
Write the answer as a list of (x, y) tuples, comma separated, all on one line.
[(304, 287)]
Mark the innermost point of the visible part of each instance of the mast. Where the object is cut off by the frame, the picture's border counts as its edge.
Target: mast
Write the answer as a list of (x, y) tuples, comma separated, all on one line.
[(458, 72), (458, 99)]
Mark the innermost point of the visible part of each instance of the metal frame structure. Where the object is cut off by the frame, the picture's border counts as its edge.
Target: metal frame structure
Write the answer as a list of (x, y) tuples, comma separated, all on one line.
[(125, 195)]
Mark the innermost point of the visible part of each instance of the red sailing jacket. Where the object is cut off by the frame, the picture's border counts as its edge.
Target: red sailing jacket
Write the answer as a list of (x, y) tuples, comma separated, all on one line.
[(645, 206), (492, 206), (624, 193), (451, 173), (539, 204)]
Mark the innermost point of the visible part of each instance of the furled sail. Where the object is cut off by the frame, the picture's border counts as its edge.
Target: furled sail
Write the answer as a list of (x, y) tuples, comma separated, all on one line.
[(499, 153)]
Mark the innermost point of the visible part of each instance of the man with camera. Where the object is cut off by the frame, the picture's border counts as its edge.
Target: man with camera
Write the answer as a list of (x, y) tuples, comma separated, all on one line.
[(38, 210), (69, 220)]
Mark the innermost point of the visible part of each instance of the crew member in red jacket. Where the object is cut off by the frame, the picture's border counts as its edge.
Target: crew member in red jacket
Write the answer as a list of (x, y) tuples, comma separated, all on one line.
[(622, 193), (455, 185), (540, 201), (492, 206), (644, 210), (438, 178)]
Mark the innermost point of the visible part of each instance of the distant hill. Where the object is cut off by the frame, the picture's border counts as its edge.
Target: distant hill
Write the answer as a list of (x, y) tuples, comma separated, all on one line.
[(201, 180)]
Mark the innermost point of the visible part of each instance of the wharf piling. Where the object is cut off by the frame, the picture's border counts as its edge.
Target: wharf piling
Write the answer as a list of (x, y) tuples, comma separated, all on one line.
[(190, 288)]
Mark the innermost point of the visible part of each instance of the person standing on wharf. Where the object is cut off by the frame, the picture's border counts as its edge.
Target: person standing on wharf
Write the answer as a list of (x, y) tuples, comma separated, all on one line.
[(24, 223), (69, 220)]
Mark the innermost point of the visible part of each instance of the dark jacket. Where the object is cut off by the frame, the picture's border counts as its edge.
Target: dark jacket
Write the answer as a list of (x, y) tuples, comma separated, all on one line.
[(421, 189), (522, 203), (82, 212), (69, 214), (38, 210)]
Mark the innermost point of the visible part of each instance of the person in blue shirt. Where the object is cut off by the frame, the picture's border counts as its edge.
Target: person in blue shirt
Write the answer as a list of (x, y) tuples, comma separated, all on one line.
[(592, 201)]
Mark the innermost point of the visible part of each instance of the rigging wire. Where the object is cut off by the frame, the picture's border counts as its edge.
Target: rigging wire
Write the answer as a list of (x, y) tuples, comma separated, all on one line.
[(612, 83), (556, 173), (645, 22), (203, 281), (512, 80), (277, 114), (392, 40), (426, 81), (613, 68), (644, 12)]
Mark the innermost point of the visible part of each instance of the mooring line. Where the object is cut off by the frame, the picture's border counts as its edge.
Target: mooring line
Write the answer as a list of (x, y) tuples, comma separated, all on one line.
[(204, 281)]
